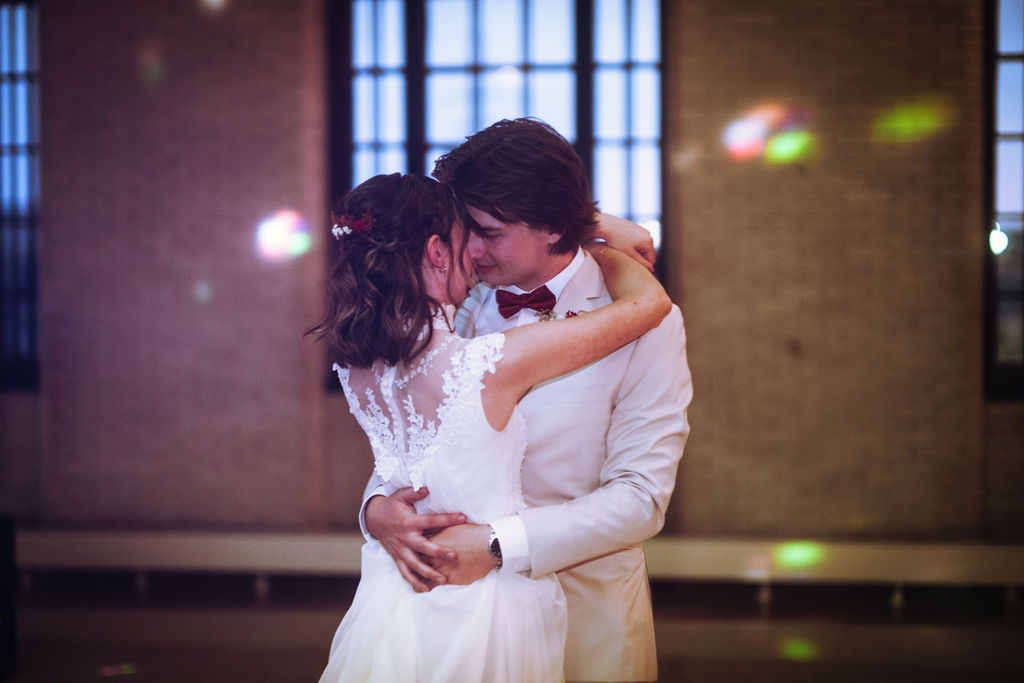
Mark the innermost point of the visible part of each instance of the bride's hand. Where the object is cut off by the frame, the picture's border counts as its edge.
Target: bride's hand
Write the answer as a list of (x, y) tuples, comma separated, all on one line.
[(473, 561), (394, 522), (628, 237)]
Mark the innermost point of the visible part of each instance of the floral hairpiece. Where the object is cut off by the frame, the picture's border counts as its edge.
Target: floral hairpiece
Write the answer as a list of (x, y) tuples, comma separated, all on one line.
[(346, 224)]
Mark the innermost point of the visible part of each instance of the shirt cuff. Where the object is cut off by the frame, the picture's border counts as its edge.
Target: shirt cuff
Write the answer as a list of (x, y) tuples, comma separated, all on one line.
[(515, 549), (379, 491)]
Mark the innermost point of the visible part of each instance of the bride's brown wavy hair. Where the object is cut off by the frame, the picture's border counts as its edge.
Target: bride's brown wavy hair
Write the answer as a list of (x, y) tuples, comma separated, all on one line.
[(377, 305)]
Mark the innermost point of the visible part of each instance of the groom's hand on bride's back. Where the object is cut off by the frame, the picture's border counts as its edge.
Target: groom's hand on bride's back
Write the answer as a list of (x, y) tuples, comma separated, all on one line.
[(406, 536)]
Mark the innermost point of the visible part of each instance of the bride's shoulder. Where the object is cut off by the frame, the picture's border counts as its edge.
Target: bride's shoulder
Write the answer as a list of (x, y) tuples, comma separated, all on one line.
[(491, 340), (477, 356)]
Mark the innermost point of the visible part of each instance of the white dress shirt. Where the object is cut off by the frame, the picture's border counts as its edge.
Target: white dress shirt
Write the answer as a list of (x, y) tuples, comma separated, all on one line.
[(515, 549)]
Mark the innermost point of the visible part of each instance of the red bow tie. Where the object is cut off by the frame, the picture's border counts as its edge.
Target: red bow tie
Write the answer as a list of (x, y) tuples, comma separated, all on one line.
[(540, 299)]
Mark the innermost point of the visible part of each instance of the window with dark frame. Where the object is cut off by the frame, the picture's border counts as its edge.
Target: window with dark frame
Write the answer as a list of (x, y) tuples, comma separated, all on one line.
[(19, 198), (424, 74), (1004, 304)]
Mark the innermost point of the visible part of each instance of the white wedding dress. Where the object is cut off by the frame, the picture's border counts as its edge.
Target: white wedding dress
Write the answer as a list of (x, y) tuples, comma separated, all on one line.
[(427, 427)]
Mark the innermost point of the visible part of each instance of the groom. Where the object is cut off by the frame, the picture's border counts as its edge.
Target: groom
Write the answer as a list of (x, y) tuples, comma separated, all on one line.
[(604, 442)]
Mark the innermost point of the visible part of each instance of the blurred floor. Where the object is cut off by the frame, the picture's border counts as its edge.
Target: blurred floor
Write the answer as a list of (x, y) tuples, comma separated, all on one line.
[(199, 629)]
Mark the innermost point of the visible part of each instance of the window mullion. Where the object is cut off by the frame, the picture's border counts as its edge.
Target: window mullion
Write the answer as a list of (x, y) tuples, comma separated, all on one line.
[(339, 70), (584, 143), (630, 76), (476, 67), (524, 63), (415, 85)]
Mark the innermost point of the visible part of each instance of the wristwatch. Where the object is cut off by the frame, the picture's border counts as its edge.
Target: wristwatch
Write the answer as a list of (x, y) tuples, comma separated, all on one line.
[(494, 547)]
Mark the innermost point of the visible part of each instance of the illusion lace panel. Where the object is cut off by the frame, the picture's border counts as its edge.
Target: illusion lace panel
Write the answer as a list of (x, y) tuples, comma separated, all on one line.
[(392, 408)]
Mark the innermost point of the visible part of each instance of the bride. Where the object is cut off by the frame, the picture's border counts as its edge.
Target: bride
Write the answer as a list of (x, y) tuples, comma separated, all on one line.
[(440, 411)]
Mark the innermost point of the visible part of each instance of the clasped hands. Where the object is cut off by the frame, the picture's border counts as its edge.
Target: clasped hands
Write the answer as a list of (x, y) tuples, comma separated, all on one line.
[(431, 549)]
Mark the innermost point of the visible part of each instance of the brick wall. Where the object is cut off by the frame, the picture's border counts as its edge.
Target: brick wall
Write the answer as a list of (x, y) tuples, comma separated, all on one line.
[(833, 303), (177, 389)]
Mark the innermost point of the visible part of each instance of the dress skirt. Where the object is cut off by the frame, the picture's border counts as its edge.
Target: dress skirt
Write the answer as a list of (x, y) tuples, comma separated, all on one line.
[(502, 628)]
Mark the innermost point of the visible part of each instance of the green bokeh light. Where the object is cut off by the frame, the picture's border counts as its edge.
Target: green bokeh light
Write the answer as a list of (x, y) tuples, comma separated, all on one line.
[(799, 649), (299, 243), (796, 554), (912, 121), (789, 146)]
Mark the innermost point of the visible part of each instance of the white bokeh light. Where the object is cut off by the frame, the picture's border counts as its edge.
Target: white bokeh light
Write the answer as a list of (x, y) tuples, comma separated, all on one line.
[(283, 236), (998, 241)]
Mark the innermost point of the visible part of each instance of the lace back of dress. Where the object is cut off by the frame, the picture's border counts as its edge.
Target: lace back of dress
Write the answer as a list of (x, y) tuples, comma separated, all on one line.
[(399, 408)]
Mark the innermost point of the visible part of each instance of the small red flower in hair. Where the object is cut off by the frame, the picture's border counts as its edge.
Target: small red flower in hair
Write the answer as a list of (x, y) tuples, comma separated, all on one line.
[(346, 224)]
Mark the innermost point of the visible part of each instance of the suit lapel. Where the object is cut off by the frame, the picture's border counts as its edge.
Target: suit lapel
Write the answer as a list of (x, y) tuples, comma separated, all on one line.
[(584, 291)]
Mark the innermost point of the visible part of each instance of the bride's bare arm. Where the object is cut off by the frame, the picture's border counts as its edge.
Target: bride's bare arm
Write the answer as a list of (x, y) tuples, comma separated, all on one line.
[(628, 237), (534, 353)]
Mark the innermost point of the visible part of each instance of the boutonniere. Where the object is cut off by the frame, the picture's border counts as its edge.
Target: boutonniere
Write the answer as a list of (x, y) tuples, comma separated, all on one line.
[(549, 314)]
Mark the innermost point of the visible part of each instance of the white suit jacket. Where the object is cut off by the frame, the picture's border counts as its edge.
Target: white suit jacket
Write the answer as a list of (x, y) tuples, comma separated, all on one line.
[(604, 444)]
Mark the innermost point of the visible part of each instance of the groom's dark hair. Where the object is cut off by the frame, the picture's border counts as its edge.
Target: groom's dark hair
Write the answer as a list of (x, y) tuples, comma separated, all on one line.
[(523, 171)]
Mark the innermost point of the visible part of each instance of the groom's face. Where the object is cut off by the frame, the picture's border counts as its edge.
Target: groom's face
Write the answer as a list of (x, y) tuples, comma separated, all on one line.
[(510, 253)]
